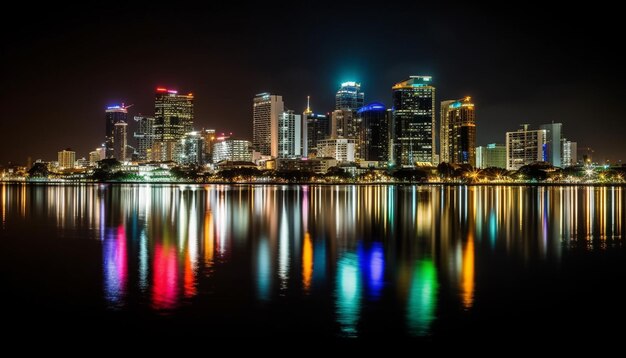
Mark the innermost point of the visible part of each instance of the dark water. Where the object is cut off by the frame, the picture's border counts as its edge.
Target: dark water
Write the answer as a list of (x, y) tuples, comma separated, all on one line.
[(423, 262)]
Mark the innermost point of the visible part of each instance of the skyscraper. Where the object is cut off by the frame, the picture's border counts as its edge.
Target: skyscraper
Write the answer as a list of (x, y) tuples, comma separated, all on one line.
[(190, 149), (413, 121), (525, 146), (228, 149), (66, 158), (145, 136), (113, 114), (267, 108), (343, 123), (458, 132), (208, 135), (554, 142), (373, 134), (349, 96), (173, 115), (289, 135), (569, 153), (317, 128), (120, 141)]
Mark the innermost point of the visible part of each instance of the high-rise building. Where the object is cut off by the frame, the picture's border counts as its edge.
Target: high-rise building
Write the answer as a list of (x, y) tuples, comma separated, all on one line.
[(113, 115), (145, 136), (101, 152), (553, 139), (232, 150), (373, 134), (342, 149), (190, 149), (526, 146), (173, 115), (66, 158), (569, 152), (457, 139), (267, 108), (349, 96), (94, 158), (317, 128), (413, 121), (491, 156), (120, 141), (343, 124), (208, 135), (289, 135)]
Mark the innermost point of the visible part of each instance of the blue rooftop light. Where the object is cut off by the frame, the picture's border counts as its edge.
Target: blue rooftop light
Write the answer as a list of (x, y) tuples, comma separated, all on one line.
[(374, 106), (456, 104)]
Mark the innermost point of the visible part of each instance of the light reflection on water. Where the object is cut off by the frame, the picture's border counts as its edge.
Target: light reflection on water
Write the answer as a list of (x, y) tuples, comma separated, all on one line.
[(360, 246)]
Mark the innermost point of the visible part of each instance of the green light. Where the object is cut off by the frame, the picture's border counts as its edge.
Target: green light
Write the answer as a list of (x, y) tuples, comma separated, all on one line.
[(422, 298), (348, 294)]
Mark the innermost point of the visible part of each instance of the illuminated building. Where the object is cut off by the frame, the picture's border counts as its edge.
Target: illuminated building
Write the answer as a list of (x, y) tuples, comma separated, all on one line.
[(490, 156), (342, 149), (525, 147), (145, 135), (120, 141), (568, 152), (267, 109), (232, 150), (66, 158), (343, 124), (317, 128), (208, 135), (113, 115), (94, 157), (373, 134), (289, 135), (553, 139), (413, 121), (349, 96), (101, 152), (190, 149), (458, 132), (317, 165), (173, 115)]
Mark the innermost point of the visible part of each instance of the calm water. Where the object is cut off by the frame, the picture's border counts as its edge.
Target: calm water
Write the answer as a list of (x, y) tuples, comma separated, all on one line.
[(331, 261)]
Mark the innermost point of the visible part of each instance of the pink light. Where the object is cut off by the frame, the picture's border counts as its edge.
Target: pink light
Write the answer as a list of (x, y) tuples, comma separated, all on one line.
[(172, 91), (165, 277)]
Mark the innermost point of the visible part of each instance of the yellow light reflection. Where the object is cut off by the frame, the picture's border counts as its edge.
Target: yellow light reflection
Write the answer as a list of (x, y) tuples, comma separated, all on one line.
[(467, 283), (307, 262)]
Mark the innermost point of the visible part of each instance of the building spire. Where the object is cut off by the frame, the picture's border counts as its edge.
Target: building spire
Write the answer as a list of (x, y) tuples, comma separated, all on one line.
[(308, 105)]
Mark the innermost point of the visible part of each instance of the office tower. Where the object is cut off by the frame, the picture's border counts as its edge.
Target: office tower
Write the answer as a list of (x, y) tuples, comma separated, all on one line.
[(342, 149), (145, 136), (120, 141), (101, 152), (457, 132), (66, 158), (343, 124), (267, 108), (491, 156), (349, 96), (113, 114), (232, 150), (190, 149), (289, 135), (94, 157), (526, 146), (413, 121), (208, 135), (373, 134), (173, 115), (317, 128), (569, 152), (554, 142)]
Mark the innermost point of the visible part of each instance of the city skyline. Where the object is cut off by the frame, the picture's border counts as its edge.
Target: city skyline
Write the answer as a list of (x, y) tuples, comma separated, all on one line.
[(516, 67)]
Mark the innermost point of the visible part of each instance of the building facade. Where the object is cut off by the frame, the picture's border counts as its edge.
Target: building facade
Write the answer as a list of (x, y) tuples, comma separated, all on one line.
[(491, 156), (349, 96), (373, 133), (145, 136), (267, 108), (190, 149), (67, 159), (232, 150), (120, 141), (457, 132), (113, 115), (569, 151), (526, 146), (209, 137), (173, 115), (289, 135), (553, 132), (343, 124), (341, 149), (413, 121)]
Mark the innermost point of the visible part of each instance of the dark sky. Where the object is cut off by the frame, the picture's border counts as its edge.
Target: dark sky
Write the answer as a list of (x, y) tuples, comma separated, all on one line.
[(62, 65)]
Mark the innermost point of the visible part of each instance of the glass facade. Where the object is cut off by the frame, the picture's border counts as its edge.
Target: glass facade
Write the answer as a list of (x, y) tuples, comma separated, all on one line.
[(458, 132), (145, 136), (173, 115), (113, 114), (373, 134), (349, 96)]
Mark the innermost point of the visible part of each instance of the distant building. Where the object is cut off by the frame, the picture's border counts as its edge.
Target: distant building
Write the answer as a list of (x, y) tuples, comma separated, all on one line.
[(267, 109), (492, 155), (349, 96), (113, 115), (190, 149), (233, 150), (457, 139), (553, 139), (120, 141), (101, 152), (343, 124), (526, 146), (173, 117), (317, 128), (289, 135), (67, 158), (314, 165), (145, 136), (209, 137), (342, 149), (373, 134), (94, 158), (569, 153), (413, 121)]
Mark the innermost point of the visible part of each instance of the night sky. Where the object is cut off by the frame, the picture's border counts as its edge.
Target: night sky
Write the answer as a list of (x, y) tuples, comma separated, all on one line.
[(61, 66)]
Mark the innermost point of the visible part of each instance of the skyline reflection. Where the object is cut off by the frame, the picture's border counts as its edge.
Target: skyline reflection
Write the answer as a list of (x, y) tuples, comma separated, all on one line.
[(169, 247)]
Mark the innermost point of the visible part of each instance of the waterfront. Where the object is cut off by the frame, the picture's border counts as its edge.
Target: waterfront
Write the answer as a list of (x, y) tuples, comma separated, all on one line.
[(333, 261)]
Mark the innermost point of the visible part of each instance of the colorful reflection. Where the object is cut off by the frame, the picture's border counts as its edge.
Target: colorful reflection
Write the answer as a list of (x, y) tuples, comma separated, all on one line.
[(307, 262), (422, 298), (115, 267), (467, 283), (348, 294), (372, 265)]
